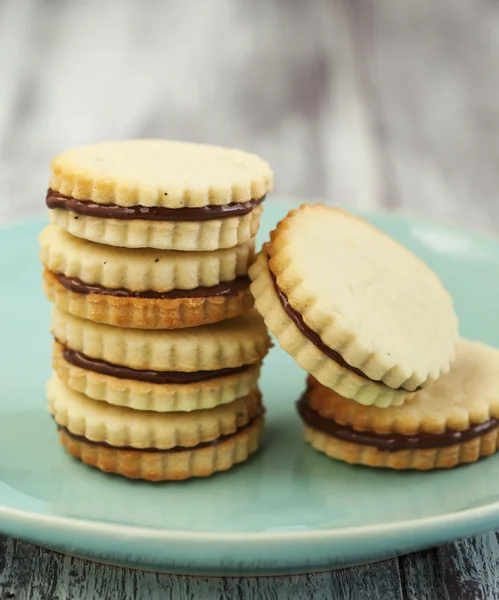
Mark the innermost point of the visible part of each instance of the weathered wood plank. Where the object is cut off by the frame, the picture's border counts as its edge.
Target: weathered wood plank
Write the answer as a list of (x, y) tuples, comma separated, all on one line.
[(31, 572), (470, 568), (421, 578)]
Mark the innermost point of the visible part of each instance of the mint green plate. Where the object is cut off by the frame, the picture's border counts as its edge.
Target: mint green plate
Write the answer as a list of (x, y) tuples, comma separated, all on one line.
[(289, 509)]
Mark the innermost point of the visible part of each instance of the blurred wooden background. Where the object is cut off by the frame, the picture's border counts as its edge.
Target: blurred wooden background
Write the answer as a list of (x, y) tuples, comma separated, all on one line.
[(364, 102), (370, 103)]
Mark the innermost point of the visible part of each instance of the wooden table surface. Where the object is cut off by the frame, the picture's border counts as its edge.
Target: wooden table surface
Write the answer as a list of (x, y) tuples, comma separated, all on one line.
[(368, 103)]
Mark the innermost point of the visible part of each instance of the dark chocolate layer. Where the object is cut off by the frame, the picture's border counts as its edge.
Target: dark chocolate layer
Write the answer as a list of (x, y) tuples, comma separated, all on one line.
[(177, 377), (222, 438), (391, 441), (149, 213), (228, 288), (315, 338)]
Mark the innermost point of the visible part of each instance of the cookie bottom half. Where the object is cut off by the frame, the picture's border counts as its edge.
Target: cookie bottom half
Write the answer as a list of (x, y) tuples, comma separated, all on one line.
[(421, 459), (167, 465), (189, 236)]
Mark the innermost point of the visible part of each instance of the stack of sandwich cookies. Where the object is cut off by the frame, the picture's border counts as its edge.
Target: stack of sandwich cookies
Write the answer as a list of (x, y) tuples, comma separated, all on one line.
[(158, 404), (355, 309), (157, 350), (453, 421)]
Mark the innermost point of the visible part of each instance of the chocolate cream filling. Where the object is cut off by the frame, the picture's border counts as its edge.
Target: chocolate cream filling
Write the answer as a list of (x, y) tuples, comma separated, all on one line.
[(227, 288), (315, 338), (149, 213), (220, 440), (103, 367), (391, 441)]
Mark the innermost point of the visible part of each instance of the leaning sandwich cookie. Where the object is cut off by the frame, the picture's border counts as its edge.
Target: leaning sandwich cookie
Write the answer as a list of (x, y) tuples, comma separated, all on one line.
[(353, 307), (453, 421), (159, 194)]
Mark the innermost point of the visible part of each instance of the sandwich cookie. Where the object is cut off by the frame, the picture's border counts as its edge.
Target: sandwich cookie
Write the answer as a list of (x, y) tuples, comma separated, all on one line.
[(159, 194), (145, 288), (353, 307), (453, 421), (161, 371), (152, 446)]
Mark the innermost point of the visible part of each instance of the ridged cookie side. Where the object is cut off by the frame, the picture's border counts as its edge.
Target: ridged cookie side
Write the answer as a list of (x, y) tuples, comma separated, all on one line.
[(118, 426), (142, 269), (168, 466), (306, 354), (140, 395), (233, 343), (146, 313), (419, 459), (162, 235)]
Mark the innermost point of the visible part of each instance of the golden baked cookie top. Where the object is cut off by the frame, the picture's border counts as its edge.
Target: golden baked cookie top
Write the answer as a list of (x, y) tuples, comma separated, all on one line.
[(160, 173)]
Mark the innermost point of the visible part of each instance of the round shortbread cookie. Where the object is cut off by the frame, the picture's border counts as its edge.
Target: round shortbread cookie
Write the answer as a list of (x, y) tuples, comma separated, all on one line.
[(164, 235), (372, 307), (142, 395), (168, 466), (117, 426), (229, 344), (159, 194), (147, 313), (452, 421), (140, 269), (160, 173)]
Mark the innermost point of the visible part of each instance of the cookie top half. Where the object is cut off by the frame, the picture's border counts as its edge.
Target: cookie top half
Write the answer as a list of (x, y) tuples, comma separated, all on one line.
[(160, 173), (466, 396), (354, 298)]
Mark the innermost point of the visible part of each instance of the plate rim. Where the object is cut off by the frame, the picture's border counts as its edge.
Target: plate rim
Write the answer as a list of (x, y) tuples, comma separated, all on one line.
[(469, 516)]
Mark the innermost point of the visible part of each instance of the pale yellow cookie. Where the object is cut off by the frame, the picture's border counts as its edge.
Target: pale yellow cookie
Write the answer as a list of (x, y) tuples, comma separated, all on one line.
[(142, 395), (164, 235), (353, 307), (164, 465), (141, 270), (160, 173), (452, 421), (159, 194), (149, 313), (240, 341), (118, 426)]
